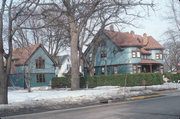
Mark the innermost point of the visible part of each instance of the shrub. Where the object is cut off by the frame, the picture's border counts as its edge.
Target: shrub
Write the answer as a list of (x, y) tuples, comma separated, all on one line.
[(112, 80), (172, 77)]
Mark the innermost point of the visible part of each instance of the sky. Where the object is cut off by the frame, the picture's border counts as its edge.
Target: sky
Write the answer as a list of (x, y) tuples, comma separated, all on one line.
[(154, 25)]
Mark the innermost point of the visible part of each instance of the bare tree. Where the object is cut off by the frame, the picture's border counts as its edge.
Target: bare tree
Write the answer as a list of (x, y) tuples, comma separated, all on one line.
[(172, 52), (172, 44), (11, 11), (79, 14), (52, 35)]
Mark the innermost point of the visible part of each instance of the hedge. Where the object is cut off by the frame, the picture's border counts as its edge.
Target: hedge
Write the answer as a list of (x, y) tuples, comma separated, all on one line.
[(111, 80), (172, 77)]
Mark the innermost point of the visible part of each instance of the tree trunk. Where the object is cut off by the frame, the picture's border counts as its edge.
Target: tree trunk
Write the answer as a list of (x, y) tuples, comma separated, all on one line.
[(3, 81), (3, 77), (74, 58)]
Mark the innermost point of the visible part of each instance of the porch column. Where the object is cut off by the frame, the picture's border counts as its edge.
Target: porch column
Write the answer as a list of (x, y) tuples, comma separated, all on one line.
[(151, 68)]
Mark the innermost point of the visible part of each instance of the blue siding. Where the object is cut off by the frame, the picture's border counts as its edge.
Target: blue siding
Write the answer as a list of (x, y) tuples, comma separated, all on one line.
[(153, 55), (48, 78), (49, 70), (122, 58), (17, 80)]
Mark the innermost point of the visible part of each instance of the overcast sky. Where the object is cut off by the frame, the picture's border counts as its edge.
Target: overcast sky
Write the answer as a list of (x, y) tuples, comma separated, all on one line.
[(156, 24)]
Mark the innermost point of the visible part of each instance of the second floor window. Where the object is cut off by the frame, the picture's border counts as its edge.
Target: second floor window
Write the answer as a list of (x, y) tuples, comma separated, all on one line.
[(103, 54), (40, 63), (159, 56), (136, 54), (144, 56), (90, 57)]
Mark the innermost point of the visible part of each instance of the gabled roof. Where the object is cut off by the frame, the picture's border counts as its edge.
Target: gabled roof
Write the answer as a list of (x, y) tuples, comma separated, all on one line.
[(153, 44), (22, 55), (125, 39)]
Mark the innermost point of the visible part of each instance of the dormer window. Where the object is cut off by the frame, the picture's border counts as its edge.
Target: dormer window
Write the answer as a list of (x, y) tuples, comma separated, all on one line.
[(136, 54), (159, 56), (103, 54), (40, 63)]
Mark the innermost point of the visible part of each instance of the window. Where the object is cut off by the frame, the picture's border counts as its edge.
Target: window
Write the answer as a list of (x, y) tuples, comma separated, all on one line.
[(40, 63), (159, 56), (40, 78), (103, 43), (115, 70), (144, 56), (90, 57), (103, 54), (136, 54), (134, 69), (102, 70), (138, 68), (68, 67)]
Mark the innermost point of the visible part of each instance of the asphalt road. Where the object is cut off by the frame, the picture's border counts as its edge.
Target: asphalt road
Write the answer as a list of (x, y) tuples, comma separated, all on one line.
[(166, 107)]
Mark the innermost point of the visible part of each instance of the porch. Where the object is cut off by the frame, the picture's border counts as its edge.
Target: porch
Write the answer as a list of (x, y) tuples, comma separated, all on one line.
[(148, 66)]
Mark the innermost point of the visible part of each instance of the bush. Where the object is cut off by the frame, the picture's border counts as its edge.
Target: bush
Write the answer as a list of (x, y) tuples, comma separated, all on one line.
[(172, 77), (61, 82), (112, 80)]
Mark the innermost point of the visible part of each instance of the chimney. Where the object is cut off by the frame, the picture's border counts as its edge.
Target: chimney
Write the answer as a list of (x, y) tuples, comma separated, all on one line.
[(132, 33), (145, 35), (111, 27), (145, 39), (14, 48)]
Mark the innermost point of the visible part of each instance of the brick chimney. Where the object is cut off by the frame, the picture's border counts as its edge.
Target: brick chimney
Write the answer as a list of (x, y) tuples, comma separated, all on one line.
[(111, 28), (145, 39), (132, 33)]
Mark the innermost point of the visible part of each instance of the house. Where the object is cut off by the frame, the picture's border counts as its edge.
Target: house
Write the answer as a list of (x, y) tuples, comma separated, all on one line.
[(63, 65), (123, 52), (34, 63)]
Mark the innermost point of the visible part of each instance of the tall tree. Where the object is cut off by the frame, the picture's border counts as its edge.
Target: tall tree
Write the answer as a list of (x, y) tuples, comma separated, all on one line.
[(79, 13), (15, 13), (45, 28), (172, 44), (3, 88)]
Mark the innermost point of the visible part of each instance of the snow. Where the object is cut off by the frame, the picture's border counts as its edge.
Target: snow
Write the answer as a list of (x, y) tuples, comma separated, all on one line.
[(19, 97)]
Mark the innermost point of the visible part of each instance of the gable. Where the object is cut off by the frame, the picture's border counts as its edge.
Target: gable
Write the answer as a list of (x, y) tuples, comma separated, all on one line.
[(40, 53), (22, 55)]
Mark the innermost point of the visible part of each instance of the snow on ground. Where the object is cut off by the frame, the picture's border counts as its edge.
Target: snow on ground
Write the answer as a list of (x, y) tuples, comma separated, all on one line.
[(44, 96)]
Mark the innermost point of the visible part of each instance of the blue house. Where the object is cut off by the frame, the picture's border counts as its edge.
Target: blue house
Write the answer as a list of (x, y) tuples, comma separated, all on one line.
[(117, 53), (33, 62)]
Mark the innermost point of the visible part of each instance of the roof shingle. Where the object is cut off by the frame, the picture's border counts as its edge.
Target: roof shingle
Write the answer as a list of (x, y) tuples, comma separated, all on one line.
[(20, 55), (130, 39)]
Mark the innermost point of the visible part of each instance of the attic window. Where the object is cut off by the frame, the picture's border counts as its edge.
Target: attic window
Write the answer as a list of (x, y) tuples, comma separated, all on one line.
[(40, 63), (103, 43), (103, 54)]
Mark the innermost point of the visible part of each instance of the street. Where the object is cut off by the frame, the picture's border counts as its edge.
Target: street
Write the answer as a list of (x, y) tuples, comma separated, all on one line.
[(165, 107)]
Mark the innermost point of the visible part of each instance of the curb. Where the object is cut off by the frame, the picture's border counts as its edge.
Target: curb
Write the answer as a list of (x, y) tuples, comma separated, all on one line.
[(43, 108)]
